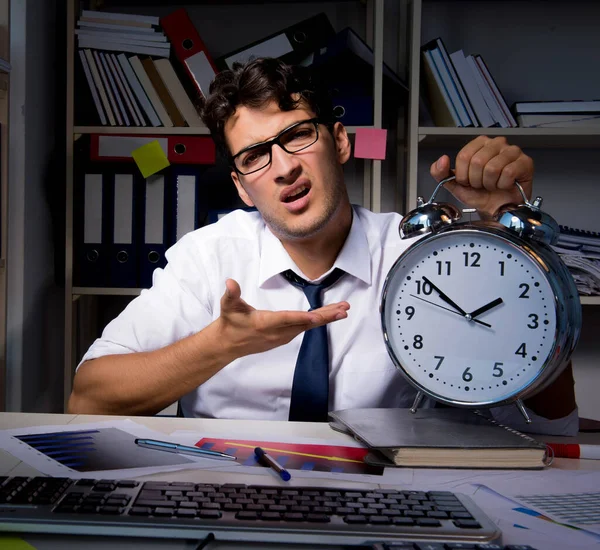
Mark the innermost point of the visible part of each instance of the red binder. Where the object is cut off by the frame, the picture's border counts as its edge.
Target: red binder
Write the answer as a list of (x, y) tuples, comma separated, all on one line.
[(189, 49), (179, 149)]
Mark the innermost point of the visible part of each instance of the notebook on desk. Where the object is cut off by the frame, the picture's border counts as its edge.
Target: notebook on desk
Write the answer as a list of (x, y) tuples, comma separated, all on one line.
[(439, 438)]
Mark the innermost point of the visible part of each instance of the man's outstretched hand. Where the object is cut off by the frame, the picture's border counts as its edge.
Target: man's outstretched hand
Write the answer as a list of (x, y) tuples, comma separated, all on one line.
[(246, 330)]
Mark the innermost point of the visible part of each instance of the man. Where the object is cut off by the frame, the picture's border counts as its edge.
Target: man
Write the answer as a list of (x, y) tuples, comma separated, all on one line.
[(193, 338)]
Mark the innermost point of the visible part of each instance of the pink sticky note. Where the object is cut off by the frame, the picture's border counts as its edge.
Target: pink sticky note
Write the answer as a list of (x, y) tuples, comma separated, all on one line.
[(369, 143)]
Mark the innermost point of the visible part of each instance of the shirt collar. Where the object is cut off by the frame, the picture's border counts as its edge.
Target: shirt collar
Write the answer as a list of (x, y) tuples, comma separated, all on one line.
[(352, 258)]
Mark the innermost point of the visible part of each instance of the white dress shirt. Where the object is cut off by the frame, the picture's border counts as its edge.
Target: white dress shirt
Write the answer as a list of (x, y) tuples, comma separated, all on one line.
[(185, 297)]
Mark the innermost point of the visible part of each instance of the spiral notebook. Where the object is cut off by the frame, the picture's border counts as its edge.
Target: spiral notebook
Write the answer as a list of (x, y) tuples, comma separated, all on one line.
[(439, 438)]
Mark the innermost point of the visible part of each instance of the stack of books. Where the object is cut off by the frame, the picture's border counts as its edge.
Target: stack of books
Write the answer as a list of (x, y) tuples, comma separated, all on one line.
[(580, 251), (126, 60), (461, 90), (557, 114)]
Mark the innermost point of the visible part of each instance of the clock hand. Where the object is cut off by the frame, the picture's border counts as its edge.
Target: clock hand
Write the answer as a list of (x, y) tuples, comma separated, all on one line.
[(451, 310), (446, 298), (486, 307)]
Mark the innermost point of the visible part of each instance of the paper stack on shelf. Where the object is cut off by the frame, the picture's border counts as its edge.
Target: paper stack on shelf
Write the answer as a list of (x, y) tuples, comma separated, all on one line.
[(557, 114), (580, 251)]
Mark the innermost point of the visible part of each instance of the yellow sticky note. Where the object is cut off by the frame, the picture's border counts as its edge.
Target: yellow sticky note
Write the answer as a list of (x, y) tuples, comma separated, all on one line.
[(150, 158), (9, 542)]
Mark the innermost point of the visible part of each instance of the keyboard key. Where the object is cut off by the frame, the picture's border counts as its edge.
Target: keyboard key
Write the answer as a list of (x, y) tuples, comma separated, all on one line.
[(185, 513), (209, 514), (162, 503), (355, 518), (318, 518), (467, 524), (428, 522), (247, 515), (140, 511), (129, 483)]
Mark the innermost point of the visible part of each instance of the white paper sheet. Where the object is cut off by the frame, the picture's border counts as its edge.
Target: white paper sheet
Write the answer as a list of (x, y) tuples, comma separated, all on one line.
[(95, 450), (544, 484), (515, 516)]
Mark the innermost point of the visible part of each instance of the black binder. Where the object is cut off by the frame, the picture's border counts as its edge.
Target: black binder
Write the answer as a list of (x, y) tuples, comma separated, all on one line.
[(292, 44)]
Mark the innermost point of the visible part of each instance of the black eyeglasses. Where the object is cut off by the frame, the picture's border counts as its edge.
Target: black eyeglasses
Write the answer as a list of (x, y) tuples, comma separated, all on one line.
[(293, 139)]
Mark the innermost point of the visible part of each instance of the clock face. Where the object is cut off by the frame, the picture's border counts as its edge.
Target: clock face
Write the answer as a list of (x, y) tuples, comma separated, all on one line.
[(469, 316)]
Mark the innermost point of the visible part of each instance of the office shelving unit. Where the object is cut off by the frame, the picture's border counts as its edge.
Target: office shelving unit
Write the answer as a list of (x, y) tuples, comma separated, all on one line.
[(369, 14)]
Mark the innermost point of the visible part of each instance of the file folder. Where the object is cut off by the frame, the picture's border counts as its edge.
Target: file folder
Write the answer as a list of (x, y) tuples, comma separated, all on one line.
[(185, 200), (352, 106), (91, 255), (190, 50), (179, 149), (345, 65), (81, 112), (154, 226), (292, 44), (123, 263)]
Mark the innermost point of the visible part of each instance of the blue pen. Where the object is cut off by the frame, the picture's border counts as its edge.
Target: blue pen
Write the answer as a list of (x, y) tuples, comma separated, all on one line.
[(269, 461), (181, 449)]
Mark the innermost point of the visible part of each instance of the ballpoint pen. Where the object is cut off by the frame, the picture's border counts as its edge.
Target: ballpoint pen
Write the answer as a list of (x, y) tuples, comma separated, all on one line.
[(181, 449), (269, 461)]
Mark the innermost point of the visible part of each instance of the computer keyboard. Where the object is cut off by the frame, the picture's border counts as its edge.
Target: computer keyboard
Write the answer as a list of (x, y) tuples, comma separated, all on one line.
[(309, 515)]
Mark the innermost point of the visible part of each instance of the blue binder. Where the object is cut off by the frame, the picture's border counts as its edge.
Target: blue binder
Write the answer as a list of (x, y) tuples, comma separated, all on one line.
[(351, 105), (123, 262), (153, 227), (91, 232)]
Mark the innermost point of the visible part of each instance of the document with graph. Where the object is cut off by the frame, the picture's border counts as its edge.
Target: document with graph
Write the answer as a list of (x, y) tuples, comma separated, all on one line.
[(95, 450), (306, 457)]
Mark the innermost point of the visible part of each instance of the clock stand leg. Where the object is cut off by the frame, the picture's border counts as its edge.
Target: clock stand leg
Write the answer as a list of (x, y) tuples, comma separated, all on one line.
[(522, 410), (417, 401)]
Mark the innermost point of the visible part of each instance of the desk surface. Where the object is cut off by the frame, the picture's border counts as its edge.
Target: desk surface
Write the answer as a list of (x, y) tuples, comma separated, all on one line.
[(10, 465)]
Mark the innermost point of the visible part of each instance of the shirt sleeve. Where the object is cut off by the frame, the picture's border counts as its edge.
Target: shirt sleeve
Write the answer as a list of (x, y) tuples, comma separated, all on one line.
[(511, 416), (178, 304)]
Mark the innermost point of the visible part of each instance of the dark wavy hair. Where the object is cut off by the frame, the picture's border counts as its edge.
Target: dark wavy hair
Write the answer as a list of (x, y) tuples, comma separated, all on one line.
[(257, 83)]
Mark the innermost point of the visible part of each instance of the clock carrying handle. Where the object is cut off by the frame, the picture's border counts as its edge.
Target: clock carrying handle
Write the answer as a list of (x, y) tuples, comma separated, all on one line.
[(526, 220), (450, 178)]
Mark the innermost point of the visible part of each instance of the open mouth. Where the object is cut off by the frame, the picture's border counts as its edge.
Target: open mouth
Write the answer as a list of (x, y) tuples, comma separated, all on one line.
[(302, 192)]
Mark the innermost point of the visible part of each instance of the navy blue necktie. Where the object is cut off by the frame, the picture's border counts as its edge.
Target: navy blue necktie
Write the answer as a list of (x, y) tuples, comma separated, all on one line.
[(310, 389)]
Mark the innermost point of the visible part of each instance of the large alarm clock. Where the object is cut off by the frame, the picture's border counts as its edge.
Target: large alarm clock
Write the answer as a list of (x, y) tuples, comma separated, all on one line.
[(483, 313)]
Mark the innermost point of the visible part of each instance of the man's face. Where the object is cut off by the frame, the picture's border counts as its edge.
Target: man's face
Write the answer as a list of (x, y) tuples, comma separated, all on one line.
[(297, 194)]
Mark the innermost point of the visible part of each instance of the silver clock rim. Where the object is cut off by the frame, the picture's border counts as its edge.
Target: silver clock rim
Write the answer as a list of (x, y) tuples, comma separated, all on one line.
[(567, 325)]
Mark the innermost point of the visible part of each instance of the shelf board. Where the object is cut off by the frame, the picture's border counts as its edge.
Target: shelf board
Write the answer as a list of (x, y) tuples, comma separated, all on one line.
[(94, 291), (160, 130), (150, 130), (590, 300), (526, 137)]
